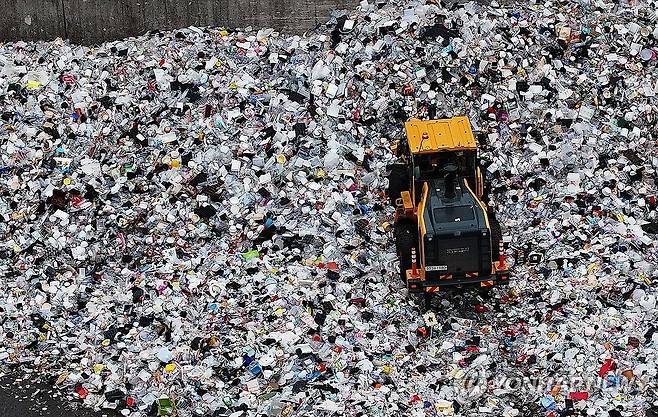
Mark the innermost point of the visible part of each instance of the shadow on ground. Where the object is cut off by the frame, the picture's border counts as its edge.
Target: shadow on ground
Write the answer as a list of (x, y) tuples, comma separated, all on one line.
[(22, 397)]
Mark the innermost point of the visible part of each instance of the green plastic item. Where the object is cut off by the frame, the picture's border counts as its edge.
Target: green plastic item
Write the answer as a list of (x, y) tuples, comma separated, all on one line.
[(166, 407), (251, 254)]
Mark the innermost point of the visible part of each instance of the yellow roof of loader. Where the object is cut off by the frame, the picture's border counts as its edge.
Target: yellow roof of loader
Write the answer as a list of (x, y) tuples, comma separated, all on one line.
[(428, 136)]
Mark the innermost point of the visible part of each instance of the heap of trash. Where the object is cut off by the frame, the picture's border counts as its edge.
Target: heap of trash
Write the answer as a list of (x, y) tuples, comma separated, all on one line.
[(196, 221)]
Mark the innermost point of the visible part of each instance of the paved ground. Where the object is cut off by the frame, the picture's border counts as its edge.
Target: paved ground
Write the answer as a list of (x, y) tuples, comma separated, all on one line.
[(24, 398)]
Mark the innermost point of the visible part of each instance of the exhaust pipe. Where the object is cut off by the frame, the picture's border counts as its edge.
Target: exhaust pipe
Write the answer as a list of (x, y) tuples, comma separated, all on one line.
[(450, 185)]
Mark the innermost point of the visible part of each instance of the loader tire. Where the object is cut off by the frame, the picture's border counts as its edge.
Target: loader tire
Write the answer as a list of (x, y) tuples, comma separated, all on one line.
[(398, 181), (405, 239), (496, 236)]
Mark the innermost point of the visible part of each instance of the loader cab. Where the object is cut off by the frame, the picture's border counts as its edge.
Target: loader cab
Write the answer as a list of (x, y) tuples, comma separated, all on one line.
[(438, 165), (431, 166), (437, 144)]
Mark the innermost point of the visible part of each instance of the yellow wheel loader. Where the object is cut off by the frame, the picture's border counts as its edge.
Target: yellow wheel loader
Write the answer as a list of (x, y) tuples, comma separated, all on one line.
[(445, 235)]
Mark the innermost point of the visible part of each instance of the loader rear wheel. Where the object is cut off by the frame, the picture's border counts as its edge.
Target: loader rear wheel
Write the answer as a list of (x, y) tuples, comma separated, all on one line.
[(398, 181), (405, 239), (496, 236)]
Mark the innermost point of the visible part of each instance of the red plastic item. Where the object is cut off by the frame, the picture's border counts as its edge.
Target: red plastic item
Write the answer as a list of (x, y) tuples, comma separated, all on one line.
[(76, 201), (521, 359), (608, 365), (479, 308), (69, 79), (578, 395), (130, 402), (358, 301), (82, 392)]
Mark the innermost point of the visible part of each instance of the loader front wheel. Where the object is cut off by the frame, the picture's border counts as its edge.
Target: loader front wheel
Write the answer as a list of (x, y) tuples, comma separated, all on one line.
[(398, 181), (405, 239)]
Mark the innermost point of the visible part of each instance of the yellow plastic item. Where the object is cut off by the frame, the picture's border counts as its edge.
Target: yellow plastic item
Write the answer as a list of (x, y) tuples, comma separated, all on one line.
[(33, 85), (427, 136), (170, 367), (444, 407)]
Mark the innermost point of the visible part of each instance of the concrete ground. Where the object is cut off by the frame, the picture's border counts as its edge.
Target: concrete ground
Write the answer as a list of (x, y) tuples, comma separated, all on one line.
[(25, 398)]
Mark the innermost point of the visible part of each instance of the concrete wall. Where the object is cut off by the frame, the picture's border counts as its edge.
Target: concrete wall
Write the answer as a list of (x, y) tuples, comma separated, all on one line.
[(92, 21)]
